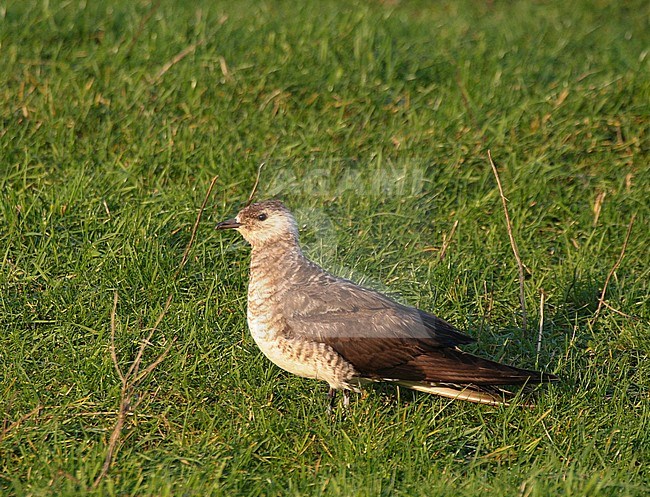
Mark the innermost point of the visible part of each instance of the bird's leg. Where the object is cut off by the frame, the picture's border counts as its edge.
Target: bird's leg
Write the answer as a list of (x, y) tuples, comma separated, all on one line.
[(331, 394), (346, 398)]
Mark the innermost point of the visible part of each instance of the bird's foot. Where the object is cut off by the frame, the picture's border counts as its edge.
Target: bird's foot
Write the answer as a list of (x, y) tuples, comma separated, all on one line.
[(331, 394)]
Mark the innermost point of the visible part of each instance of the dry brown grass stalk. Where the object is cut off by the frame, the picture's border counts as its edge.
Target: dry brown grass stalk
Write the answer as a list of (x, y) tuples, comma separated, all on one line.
[(177, 58), (601, 300), (134, 377), (540, 333), (513, 244), (7, 428), (257, 182), (598, 205), (446, 240), (143, 22)]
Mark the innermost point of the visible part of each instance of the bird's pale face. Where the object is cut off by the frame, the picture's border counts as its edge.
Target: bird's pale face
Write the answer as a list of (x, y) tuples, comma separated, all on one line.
[(264, 223)]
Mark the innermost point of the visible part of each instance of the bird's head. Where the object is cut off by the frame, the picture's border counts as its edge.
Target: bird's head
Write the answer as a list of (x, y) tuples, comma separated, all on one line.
[(264, 223)]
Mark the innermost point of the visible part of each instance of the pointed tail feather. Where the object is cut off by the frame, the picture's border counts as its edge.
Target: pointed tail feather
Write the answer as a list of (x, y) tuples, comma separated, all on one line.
[(454, 392)]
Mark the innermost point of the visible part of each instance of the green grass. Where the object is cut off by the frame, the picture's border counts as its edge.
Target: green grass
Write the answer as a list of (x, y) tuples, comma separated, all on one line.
[(358, 109)]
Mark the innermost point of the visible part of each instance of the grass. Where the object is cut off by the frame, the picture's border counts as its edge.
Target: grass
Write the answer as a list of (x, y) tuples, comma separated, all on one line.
[(374, 119)]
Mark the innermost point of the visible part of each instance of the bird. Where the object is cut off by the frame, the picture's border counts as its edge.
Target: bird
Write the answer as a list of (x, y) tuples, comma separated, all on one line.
[(314, 324)]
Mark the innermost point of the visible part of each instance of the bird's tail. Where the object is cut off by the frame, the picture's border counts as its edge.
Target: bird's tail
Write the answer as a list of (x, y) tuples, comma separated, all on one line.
[(470, 393)]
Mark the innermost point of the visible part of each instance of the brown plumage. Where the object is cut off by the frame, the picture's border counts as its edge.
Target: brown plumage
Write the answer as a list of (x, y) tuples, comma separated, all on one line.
[(317, 325)]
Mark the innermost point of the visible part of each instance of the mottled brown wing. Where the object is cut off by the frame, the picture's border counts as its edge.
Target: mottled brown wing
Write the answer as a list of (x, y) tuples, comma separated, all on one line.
[(368, 329), (385, 339)]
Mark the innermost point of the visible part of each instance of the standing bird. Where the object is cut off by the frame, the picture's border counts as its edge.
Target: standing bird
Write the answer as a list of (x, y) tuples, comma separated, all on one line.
[(316, 325)]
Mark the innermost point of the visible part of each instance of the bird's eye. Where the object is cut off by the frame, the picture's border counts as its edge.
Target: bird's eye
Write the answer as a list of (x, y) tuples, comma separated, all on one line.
[(262, 217)]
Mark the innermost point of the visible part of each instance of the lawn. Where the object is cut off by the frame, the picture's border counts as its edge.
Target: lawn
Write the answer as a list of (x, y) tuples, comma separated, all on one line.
[(374, 120)]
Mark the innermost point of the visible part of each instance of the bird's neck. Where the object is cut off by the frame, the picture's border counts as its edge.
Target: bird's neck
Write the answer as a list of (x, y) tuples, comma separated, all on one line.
[(278, 259)]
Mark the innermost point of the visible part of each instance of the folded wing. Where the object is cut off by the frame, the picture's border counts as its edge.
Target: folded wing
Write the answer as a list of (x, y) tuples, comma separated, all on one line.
[(384, 339)]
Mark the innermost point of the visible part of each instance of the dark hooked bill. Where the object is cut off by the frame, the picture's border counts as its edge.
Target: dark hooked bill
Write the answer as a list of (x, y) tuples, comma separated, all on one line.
[(228, 224)]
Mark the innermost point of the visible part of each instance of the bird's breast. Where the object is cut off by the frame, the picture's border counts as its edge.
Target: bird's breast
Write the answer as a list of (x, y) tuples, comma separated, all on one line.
[(297, 354), (291, 353)]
